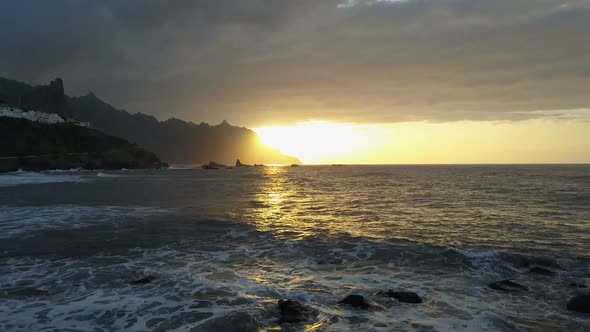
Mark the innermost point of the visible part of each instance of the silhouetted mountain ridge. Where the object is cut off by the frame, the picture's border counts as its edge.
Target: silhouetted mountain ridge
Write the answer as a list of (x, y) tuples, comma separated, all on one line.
[(175, 141), (31, 145)]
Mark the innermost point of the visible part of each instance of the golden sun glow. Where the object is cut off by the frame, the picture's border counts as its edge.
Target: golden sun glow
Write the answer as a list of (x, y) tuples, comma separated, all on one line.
[(318, 141), (539, 141)]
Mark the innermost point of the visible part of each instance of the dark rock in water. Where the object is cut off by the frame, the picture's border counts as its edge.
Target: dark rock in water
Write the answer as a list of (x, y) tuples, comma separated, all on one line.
[(239, 164), (405, 297), (214, 165), (355, 301), (541, 271), (580, 303), (144, 280), (292, 311), (294, 165), (508, 286)]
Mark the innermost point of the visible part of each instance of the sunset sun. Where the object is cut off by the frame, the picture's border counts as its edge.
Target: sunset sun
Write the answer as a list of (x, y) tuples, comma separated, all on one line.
[(316, 141)]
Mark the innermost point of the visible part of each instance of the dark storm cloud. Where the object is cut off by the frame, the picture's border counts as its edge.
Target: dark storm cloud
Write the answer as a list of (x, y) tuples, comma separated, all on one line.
[(260, 61)]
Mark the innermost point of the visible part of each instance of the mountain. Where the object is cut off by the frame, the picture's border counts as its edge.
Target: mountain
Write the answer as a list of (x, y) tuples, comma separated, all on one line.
[(174, 140), (31, 145)]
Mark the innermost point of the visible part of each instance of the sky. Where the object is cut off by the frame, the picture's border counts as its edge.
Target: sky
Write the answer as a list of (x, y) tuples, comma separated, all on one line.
[(408, 69)]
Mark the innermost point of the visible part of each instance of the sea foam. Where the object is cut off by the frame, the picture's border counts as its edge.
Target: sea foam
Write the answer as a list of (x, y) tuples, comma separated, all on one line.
[(27, 178)]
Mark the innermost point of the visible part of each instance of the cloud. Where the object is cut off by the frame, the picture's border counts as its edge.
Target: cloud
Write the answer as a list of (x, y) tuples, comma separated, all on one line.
[(254, 61)]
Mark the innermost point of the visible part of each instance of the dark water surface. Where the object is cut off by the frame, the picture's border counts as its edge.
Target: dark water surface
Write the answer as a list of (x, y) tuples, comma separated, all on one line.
[(225, 245)]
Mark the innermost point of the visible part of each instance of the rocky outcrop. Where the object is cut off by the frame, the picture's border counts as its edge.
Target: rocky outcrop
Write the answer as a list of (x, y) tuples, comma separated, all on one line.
[(355, 301), (402, 296), (214, 165), (580, 303), (239, 164), (291, 311)]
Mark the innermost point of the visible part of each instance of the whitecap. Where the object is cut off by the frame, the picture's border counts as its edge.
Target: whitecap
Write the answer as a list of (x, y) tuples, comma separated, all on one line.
[(23, 178), (109, 175)]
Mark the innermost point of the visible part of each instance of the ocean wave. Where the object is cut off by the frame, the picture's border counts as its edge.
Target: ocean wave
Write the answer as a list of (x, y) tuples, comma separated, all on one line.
[(22, 221), (182, 167), (71, 170), (214, 286), (109, 175), (488, 253), (28, 178)]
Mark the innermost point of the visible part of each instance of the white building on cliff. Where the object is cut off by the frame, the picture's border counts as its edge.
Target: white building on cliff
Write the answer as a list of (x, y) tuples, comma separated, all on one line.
[(47, 118)]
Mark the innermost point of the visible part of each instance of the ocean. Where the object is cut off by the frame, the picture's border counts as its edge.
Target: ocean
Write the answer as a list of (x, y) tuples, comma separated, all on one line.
[(214, 250)]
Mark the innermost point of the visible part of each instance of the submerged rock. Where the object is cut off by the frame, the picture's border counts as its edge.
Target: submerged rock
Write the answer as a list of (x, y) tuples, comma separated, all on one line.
[(292, 311), (144, 280), (541, 271), (405, 297), (355, 301), (580, 303), (508, 286)]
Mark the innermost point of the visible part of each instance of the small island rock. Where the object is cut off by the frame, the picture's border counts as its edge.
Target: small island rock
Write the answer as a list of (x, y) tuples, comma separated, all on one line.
[(213, 165), (239, 164)]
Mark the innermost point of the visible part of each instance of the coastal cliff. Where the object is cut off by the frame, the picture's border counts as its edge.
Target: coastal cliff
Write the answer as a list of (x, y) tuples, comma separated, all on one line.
[(34, 146), (174, 140)]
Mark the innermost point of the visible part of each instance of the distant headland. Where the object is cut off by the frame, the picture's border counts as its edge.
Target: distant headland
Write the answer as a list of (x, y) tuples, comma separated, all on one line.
[(39, 145), (174, 141)]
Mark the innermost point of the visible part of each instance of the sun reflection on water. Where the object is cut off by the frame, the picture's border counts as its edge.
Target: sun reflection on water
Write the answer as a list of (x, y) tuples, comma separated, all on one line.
[(288, 206)]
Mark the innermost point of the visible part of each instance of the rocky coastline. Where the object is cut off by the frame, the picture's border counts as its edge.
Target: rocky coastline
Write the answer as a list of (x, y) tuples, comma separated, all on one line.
[(35, 146)]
